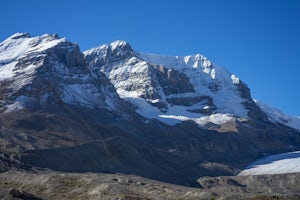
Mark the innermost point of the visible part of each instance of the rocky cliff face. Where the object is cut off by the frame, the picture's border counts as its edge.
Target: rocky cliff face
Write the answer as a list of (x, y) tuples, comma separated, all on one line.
[(112, 109)]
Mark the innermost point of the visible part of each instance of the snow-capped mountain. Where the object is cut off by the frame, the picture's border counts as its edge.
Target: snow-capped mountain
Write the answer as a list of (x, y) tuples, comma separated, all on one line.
[(112, 109), (173, 89)]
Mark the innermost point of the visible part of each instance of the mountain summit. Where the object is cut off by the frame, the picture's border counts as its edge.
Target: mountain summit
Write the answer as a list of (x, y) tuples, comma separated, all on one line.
[(112, 109)]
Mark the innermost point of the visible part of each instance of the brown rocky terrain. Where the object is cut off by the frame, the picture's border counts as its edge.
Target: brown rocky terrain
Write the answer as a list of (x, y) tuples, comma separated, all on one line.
[(54, 185)]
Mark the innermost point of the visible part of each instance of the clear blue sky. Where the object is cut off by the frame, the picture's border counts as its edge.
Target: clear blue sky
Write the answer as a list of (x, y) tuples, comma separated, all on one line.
[(258, 40)]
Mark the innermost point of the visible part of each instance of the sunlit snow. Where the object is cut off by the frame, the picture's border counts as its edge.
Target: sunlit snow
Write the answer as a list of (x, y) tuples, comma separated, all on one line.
[(13, 49)]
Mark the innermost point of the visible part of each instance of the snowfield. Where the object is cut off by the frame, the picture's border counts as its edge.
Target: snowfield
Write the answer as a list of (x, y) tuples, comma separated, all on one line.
[(276, 164)]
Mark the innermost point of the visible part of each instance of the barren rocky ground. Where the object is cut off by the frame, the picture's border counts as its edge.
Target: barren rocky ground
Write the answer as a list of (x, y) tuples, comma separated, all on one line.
[(54, 185)]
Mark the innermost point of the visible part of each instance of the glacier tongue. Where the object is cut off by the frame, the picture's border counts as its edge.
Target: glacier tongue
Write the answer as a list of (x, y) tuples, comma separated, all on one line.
[(275, 164)]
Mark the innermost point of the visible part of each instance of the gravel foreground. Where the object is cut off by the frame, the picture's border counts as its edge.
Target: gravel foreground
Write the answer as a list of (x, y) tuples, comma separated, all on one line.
[(56, 185)]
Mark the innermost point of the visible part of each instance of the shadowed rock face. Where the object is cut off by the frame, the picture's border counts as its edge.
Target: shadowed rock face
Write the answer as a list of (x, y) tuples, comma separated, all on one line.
[(172, 81), (62, 111), (189, 101)]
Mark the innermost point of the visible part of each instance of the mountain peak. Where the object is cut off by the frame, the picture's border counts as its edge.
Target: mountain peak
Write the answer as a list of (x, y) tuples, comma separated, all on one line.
[(52, 36), (115, 51), (20, 44), (119, 44), (19, 35), (113, 47)]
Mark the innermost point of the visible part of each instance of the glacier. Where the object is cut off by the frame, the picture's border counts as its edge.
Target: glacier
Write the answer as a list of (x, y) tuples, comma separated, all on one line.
[(275, 164)]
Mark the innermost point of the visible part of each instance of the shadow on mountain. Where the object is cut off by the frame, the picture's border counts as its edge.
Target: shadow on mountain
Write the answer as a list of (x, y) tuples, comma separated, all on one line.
[(115, 155)]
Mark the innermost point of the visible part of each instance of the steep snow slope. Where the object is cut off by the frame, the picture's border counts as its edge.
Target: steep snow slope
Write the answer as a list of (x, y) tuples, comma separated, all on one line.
[(20, 44), (275, 164), (44, 69)]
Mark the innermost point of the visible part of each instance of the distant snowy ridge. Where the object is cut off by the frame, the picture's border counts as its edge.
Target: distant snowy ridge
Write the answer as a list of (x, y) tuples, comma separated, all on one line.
[(278, 116), (275, 164)]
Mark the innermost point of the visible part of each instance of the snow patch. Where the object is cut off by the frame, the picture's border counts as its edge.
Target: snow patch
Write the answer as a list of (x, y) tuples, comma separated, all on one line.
[(20, 103), (218, 119), (7, 71), (176, 114), (77, 93), (235, 79), (86, 95)]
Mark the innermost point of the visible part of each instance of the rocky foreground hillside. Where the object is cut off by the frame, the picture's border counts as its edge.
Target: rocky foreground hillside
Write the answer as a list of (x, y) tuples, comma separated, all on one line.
[(53, 185)]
